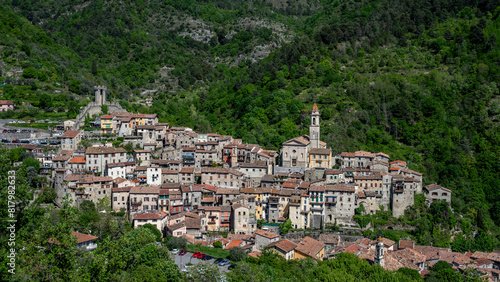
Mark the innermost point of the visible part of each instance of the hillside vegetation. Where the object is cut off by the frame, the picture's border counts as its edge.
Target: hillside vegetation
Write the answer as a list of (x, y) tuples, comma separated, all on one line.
[(415, 79)]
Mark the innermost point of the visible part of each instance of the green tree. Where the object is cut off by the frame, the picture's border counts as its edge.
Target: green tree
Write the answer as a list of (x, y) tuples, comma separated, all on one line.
[(237, 254), (287, 225), (29, 72), (32, 162), (154, 230), (205, 272), (217, 244), (177, 243), (442, 271)]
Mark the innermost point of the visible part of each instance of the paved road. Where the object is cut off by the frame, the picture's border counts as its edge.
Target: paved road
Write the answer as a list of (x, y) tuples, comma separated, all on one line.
[(181, 261)]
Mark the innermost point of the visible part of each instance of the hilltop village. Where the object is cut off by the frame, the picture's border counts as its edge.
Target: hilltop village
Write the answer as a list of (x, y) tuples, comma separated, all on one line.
[(197, 185)]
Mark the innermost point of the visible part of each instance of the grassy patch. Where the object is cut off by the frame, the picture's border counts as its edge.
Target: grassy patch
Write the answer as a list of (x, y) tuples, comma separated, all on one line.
[(215, 252)]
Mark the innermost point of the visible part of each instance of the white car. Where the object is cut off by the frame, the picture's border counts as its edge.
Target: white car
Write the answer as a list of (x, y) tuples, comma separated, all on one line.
[(175, 251)]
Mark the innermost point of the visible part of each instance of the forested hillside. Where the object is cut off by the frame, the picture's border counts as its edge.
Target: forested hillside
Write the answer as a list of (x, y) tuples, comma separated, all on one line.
[(416, 79)]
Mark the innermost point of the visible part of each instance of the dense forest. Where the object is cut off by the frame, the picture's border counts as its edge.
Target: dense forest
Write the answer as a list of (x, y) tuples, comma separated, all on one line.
[(415, 79)]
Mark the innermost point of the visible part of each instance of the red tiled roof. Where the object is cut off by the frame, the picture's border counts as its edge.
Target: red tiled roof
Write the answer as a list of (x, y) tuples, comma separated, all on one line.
[(285, 245), (234, 243), (266, 234), (77, 160), (310, 247), (255, 254), (150, 216), (70, 134)]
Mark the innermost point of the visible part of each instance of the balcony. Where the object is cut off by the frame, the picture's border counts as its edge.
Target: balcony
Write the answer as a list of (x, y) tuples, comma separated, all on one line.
[(136, 203), (331, 201), (206, 162)]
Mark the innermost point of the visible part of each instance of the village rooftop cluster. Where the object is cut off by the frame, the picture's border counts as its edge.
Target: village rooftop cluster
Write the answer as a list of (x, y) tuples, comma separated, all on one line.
[(193, 185)]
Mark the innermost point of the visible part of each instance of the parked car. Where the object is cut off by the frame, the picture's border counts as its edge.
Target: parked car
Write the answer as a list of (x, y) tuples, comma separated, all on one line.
[(16, 141), (218, 260), (4, 131), (206, 257), (175, 251), (224, 262), (232, 266), (53, 143), (5, 140), (25, 141), (196, 254), (43, 142), (182, 252)]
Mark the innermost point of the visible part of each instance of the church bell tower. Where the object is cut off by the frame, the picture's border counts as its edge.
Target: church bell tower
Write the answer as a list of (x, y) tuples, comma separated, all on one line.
[(379, 252), (314, 128)]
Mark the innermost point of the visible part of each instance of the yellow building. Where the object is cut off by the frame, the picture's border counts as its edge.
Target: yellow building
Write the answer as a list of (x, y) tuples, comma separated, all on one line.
[(320, 158), (106, 124), (310, 248), (139, 119)]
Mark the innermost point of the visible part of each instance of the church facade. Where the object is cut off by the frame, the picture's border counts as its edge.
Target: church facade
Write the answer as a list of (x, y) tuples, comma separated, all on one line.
[(296, 152)]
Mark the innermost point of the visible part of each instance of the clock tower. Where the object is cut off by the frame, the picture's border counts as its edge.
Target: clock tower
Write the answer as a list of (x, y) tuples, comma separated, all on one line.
[(314, 128)]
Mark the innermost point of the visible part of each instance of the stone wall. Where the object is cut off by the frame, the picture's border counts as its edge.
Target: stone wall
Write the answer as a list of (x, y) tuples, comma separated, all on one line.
[(94, 108)]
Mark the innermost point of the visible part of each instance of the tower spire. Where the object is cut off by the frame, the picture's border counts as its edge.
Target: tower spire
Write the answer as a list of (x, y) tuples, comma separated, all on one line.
[(314, 128)]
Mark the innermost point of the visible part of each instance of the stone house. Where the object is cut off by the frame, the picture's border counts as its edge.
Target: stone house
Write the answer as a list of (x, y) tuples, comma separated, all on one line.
[(61, 161), (240, 219), (437, 192), (157, 219), (144, 198), (98, 157), (284, 248), (310, 248), (77, 164), (186, 175), (191, 195), (372, 182), (92, 188), (205, 158), (120, 198), (254, 172), (142, 157), (221, 177), (70, 139), (334, 176), (340, 203), (169, 175), (316, 206), (263, 238), (226, 195)]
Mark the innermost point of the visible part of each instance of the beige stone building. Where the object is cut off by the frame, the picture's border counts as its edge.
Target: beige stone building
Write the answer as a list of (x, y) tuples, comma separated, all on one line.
[(120, 198), (98, 157), (221, 177), (70, 139), (144, 198)]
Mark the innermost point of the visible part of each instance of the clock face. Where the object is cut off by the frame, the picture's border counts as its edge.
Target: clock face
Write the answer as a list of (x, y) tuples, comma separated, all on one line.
[(314, 129)]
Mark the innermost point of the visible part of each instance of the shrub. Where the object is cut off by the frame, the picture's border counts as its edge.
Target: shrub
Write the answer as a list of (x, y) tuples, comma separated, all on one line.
[(217, 244), (177, 243)]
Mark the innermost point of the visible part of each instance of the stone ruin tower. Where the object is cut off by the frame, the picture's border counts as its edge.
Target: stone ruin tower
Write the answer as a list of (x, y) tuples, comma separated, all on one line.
[(100, 94)]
